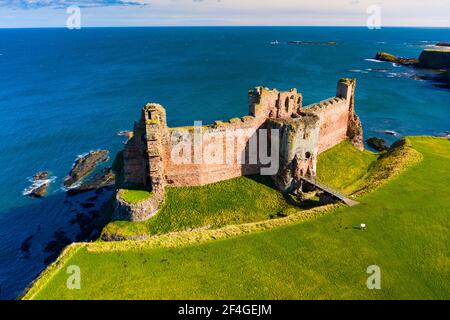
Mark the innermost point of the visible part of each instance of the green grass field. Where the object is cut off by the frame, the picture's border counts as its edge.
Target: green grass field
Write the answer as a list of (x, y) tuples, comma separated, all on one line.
[(407, 236)]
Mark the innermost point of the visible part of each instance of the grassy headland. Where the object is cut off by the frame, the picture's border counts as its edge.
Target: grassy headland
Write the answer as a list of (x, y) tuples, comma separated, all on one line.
[(323, 258)]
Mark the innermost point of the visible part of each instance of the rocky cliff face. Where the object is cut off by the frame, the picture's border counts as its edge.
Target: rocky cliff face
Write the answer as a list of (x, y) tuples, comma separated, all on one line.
[(435, 59)]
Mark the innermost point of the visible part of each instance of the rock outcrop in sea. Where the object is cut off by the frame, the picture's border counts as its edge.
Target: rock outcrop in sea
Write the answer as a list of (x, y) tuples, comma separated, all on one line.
[(436, 59), (102, 179), (84, 166), (377, 143), (40, 182), (384, 56)]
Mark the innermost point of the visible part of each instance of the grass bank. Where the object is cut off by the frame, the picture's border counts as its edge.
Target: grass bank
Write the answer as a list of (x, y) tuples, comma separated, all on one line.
[(235, 201)]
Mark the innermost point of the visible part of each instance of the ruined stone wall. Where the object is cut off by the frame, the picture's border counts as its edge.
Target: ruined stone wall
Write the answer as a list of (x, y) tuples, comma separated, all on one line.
[(139, 211), (149, 154), (338, 120), (134, 169), (333, 114), (222, 146), (231, 138)]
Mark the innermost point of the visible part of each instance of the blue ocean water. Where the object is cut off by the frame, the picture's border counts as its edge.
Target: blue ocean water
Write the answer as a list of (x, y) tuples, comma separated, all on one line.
[(66, 92)]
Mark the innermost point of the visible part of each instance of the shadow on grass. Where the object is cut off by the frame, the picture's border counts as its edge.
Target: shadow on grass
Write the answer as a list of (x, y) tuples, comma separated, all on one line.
[(267, 181)]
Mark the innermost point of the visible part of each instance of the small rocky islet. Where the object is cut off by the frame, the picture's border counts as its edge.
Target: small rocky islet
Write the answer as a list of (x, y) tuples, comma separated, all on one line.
[(84, 166), (102, 179), (435, 59), (40, 183)]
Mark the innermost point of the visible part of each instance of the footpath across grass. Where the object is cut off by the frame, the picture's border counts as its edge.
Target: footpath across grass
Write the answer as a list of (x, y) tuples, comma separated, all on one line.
[(325, 258)]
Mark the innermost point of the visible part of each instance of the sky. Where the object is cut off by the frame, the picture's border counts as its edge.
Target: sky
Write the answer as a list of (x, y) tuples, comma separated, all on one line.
[(107, 13)]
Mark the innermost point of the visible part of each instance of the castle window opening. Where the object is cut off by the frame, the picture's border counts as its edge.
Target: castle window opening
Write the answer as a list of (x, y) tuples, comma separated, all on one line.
[(308, 155)]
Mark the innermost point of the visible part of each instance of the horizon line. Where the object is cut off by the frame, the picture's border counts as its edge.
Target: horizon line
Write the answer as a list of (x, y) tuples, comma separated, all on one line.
[(237, 26)]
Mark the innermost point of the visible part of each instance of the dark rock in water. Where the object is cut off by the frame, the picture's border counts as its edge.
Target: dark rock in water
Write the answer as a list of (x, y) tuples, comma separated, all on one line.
[(100, 180), (443, 44), (41, 175), (55, 246), (88, 205), (84, 166), (435, 59), (81, 219), (40, 184), (384, 56), (39, 192), (377, 143), (445, 77), (93, 198), (26, 244), (313, 42)]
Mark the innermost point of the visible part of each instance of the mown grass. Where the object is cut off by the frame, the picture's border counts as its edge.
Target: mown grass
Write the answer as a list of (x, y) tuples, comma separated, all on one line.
[(134, 196), (324, 258)]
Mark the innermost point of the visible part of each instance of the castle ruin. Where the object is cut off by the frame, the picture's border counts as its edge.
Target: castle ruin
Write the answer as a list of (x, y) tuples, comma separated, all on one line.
[(303, 133)]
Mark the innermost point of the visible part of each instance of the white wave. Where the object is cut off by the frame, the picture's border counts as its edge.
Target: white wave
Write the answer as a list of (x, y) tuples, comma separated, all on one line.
[(378, 70), (73, 186), (358, 71), (37, 184), (374, 60)]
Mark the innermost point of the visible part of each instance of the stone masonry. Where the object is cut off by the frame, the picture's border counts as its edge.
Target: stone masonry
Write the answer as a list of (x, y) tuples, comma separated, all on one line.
[(304, 132)]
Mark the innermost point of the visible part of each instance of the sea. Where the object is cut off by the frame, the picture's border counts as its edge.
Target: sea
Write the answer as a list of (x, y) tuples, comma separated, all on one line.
[(66, 92)]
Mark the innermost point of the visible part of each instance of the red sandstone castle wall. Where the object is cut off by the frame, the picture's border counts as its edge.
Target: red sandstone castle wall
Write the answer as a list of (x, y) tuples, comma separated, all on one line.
[(215, 142), (264, 104), (334, 114)]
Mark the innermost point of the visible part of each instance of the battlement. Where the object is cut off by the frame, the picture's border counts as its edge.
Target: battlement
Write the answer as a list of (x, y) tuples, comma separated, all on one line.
[(270, 103), (158, 156)]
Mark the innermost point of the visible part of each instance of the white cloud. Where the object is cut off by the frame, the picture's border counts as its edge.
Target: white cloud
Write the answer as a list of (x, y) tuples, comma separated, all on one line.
[(231, 12)]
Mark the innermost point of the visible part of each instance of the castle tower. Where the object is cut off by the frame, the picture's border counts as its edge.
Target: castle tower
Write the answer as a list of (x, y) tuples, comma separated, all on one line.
[(346, 89), (298, 149), (155, 124)]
